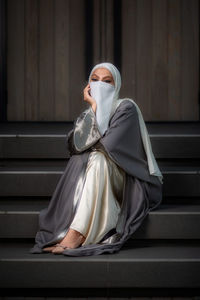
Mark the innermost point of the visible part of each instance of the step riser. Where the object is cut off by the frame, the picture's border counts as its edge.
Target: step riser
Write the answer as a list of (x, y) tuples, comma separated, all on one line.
[(37, 147), (28, 184), (102, 274), (44, 184), (18, 225), (176, 147), (156, 226), (56, 147), (186, 185)]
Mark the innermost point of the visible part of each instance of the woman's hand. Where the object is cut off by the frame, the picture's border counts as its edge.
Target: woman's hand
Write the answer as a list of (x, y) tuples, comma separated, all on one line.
[(88, 98)]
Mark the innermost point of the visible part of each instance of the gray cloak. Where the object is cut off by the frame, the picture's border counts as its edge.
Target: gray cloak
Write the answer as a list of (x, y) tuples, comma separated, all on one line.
[(122, 142)]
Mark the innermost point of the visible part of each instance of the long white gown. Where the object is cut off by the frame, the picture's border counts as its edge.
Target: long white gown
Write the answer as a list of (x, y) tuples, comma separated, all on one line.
[(100, 205)]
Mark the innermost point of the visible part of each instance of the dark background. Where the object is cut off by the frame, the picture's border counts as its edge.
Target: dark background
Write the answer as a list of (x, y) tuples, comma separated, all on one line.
[(48, 48)]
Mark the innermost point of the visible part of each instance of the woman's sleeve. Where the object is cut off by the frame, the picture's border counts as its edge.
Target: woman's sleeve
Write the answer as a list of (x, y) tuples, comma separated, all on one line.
[(85, 133), (123, 130), (123, 142), (71, 148)]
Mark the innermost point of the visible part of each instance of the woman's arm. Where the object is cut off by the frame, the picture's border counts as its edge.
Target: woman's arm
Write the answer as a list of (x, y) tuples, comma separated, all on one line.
[(86, 134)]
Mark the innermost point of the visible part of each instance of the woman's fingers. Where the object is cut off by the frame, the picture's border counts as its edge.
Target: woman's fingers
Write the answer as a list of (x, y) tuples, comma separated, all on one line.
[(87, 96)]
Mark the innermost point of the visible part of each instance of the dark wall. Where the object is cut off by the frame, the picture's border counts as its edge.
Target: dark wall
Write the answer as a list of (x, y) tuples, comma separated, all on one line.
[(3, 96), (52, 45)]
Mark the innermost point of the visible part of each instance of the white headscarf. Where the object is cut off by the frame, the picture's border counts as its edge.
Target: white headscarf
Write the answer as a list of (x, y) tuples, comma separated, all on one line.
[(105, 95), (115, 74), (152, 164)]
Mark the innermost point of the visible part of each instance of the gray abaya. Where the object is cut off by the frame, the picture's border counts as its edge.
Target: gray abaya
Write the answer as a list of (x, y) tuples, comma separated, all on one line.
[(122, 143)]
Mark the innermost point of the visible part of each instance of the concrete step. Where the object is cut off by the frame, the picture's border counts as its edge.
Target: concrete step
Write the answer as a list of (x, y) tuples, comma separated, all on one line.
[(55, 146), (20, 178), (49, 140), (142, 265), (19, 219), (166, 164), (159, 127)]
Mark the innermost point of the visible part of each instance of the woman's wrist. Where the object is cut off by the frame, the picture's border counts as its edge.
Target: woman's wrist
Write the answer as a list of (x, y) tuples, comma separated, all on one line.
[(94, 107)]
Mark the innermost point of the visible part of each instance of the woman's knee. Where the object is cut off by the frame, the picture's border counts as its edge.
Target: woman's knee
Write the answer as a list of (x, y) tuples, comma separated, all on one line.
[(98, 161)]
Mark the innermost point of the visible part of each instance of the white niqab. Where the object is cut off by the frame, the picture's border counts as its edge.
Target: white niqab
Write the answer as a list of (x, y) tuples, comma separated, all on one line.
[(152, 164), (103, 93)]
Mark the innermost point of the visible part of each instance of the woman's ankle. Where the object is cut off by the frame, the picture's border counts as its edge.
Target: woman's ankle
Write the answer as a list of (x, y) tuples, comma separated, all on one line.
[(73, 239)]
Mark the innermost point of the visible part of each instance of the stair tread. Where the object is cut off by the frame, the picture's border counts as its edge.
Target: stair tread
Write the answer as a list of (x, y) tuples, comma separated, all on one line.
[(139, 251), (58, 166), (63, 134), (142, 265)]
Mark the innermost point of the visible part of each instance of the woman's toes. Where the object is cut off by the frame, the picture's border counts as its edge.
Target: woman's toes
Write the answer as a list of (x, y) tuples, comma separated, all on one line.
[(59, 249), (49, 249)]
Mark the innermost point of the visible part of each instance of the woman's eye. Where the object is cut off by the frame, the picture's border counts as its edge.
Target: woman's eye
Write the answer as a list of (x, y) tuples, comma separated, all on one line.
[(107, 81), (94, 79)]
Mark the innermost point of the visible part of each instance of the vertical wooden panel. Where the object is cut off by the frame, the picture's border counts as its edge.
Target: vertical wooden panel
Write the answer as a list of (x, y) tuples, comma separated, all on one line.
[(165, 65), (76, 58), (51, 41), (144, 56), (97, 37), (31, 60), (46, 70), (129, 57), (160, 66), (174, 60), (103, 31), (62, 93), (190, 59), (15, 60), (46, 56), (109, 31), (3, 60)]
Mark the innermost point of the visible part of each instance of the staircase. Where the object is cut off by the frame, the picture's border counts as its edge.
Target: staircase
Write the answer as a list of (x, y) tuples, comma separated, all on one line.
[(162, 258)]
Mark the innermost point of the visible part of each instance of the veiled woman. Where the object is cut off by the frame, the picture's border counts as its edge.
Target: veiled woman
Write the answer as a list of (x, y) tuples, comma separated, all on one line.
[(111, 181)]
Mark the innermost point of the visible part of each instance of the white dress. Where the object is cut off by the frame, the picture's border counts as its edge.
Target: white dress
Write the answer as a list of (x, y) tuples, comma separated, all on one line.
[(99, 206)]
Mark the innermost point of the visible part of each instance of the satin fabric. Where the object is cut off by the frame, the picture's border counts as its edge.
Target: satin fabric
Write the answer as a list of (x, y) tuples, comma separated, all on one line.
[(85, 133), (100, 202), (152, 164)]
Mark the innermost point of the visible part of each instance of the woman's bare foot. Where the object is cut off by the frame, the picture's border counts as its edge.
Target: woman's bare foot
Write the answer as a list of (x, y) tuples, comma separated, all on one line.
[(73, 239), (58, 249), (49, 249)]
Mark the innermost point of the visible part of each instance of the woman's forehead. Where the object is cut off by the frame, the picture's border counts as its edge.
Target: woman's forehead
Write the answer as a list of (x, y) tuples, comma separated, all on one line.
[(102, 72)]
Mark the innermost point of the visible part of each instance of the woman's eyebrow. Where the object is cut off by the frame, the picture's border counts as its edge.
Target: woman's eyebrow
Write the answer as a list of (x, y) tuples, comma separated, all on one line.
[(95, 75), (108, 76)]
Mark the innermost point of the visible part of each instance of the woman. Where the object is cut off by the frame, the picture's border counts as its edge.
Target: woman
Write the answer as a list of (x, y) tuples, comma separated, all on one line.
[(111, 181)]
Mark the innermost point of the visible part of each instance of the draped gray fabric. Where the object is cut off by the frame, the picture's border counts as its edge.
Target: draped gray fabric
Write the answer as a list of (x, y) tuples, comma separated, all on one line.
[(143, 192)]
